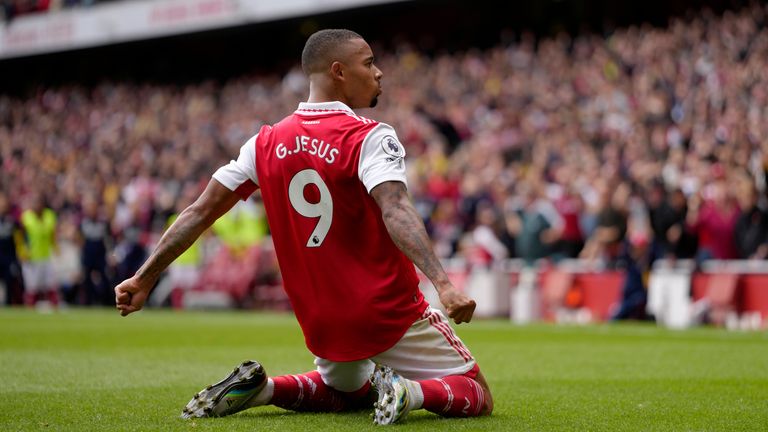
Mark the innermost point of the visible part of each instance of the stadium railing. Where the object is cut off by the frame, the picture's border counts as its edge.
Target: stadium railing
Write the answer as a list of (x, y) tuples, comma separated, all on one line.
[(680, 293)]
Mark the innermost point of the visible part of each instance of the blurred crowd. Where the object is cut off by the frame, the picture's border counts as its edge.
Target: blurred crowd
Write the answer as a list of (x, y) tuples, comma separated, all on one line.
[(643, 144)]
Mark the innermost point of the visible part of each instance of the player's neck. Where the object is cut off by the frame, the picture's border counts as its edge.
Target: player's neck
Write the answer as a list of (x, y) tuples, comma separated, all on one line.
[(319, 95)]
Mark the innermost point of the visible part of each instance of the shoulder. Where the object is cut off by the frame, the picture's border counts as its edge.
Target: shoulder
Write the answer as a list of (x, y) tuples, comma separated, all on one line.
[(351, 121), (263, 132), (363, 120), (360, 130), (384, 135)]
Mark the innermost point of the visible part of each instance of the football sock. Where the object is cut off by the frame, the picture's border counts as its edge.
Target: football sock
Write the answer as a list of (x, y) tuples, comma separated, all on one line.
[(308, 392), (451, 396), (264, 396), (415, 393)]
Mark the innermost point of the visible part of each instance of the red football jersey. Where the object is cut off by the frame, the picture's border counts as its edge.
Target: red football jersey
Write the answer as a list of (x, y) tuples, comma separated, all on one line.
[(353, 291)]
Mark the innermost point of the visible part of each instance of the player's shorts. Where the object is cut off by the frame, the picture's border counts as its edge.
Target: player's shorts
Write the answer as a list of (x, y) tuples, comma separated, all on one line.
[(429, 349), (39, 276)]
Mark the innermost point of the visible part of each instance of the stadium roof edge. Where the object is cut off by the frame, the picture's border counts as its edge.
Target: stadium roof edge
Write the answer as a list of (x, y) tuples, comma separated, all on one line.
[(110, 23)]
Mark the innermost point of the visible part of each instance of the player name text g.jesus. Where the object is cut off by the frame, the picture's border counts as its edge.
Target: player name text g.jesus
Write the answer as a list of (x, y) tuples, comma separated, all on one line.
[(312, 146)]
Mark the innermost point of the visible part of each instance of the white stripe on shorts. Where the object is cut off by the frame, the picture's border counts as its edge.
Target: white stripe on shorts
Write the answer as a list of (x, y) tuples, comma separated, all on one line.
[(446, 330)]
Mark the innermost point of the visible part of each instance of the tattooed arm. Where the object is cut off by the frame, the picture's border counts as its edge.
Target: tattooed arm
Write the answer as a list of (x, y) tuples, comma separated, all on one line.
[(216, 200), (407, 231)]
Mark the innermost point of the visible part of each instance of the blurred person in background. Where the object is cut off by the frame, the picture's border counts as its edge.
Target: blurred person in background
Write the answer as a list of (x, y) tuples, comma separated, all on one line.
[(40, 224), (471, 194), (534, 222), (67, 262), (446, 228), (95, 240), (486, 246), (569, 205), (607, 240), (666, 213), (683, 243), (242, 229), (634, 259), (237, 264), (712, 216), (131, 237), (751, 231), (11, 235)]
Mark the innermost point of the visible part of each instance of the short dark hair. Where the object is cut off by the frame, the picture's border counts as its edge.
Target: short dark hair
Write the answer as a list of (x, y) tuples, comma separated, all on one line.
[(320, 47)]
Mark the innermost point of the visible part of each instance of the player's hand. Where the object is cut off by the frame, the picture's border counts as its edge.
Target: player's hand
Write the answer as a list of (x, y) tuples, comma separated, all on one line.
[(459, 307), (130, 296)]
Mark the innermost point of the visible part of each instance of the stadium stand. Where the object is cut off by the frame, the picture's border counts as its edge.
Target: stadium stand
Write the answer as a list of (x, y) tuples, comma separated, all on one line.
[(616, 150)]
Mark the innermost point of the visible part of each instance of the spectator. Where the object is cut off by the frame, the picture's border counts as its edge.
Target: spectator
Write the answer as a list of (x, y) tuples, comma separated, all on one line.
[(714, 221), (534, 222), (67, 264), (751, 231), (607, 241), (667, 215), (487, 247), (569, 206), (662, 218), (10, 268), (446, 228), (96, 239), (130, 250), (39, 224)]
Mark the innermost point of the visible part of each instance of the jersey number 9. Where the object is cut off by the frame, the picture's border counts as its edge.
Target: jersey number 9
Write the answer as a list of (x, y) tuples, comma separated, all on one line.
[(322, 209)]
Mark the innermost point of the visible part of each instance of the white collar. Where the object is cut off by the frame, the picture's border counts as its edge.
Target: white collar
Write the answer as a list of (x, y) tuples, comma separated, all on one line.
[(324, 106)]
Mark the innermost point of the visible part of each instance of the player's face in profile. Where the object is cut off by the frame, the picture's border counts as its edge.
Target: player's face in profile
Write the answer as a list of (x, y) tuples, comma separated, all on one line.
[(364, 78)]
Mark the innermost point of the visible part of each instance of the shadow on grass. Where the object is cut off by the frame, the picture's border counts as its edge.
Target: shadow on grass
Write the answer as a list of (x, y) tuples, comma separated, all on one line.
[(421, 417)]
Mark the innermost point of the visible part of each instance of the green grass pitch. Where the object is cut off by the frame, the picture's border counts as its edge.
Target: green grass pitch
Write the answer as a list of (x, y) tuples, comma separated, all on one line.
[(92, 370)]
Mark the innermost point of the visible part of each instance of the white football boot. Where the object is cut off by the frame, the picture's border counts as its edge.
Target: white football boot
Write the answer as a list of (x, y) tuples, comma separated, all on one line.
[(394, 398)]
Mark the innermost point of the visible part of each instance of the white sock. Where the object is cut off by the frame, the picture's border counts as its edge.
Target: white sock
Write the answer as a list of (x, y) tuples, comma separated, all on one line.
[(416, 399), (265, 395)]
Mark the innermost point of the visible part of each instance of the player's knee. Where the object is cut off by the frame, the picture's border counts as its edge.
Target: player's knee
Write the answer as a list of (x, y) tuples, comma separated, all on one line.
[(487, 408), (345, 377)]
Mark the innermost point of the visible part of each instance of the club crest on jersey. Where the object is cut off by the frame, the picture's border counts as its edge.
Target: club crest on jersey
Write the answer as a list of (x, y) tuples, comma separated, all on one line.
[(392, 147)]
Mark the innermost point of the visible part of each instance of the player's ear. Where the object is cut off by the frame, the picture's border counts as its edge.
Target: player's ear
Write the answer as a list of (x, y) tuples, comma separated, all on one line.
[(337, 70)]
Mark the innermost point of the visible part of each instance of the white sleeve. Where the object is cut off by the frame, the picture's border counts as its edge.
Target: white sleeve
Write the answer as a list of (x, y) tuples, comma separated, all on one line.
[(382, 157), (238, 173)]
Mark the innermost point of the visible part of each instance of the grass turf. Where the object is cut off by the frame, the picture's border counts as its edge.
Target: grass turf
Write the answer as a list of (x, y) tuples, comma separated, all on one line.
[(92, 370)]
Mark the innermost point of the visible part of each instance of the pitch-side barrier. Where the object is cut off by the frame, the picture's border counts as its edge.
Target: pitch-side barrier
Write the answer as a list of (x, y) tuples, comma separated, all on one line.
[(680, 293)]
